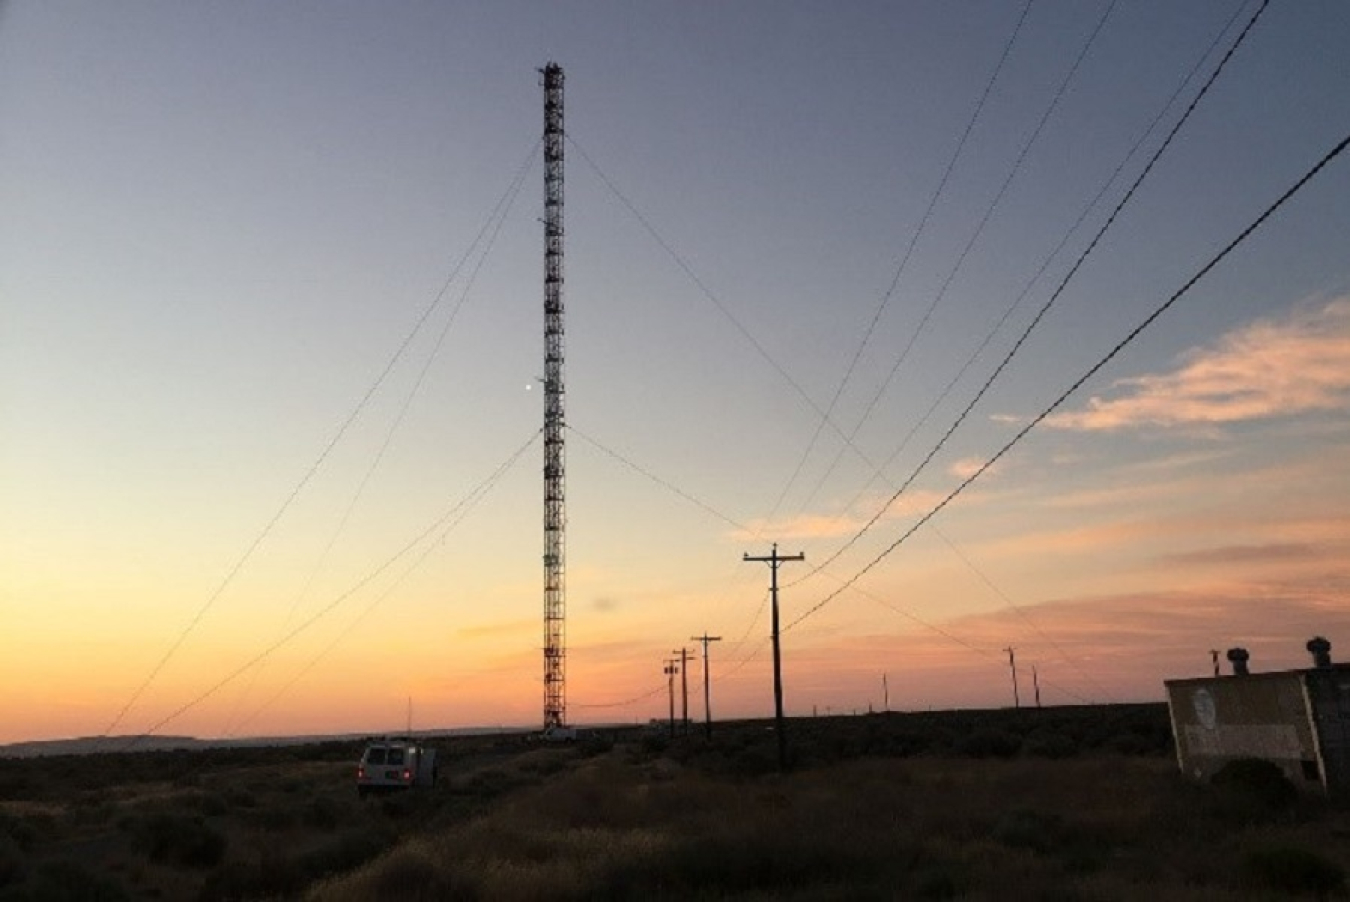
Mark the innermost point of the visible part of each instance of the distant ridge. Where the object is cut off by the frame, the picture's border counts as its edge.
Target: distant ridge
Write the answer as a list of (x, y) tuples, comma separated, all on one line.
[(92, 745)]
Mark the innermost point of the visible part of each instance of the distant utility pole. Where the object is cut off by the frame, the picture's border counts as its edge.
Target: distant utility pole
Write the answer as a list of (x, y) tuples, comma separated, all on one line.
[(774, 559), (670, 671), (1012, 663), (886, 692), (1036, 682), (684, 685), (1214, 656), (707, 690)]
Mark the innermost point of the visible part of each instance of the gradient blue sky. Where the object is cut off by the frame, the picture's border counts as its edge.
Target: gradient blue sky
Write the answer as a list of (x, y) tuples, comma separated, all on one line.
[(219, 221)]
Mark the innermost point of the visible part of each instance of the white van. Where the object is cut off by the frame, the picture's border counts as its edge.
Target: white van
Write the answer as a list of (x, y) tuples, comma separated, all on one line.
[(390, 764)]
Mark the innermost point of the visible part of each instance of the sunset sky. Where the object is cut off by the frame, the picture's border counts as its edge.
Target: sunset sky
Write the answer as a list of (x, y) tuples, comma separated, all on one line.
[(271, 335)]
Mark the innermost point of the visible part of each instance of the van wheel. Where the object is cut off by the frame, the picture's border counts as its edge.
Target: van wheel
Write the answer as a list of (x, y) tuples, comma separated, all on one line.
[(360, 792)]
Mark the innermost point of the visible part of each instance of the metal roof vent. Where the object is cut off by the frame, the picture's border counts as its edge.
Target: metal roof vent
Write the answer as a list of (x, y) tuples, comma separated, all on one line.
[(1321, 652), (1238, 658)]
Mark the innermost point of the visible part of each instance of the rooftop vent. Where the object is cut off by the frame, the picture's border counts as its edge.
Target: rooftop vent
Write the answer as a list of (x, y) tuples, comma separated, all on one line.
[(1321, 652), (1238, 658)]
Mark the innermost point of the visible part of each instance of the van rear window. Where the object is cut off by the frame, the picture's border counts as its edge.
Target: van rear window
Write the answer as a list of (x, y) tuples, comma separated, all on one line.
[(376, 756), (395, 756)]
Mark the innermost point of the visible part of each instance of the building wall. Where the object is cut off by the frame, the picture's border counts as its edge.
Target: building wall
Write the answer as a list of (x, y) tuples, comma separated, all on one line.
[(1265, 715), (1328, 694)]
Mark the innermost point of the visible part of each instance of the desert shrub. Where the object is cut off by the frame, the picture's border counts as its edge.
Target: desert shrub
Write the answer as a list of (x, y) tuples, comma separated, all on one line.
[(11, 860), (241, 798), (272, 875), (1046, 744), (1131, 744), (407, 874), (20, 831), (655, 743), (345, 852), (322, 813), (1024, 829), (595, 744), (1292, 870), (1252, 790), (489, 782), (178, 839), (69, 881), (936, 882), (744, 863), (544, 767), (275, 818), (212, 804), (753, 761), (989, 743)]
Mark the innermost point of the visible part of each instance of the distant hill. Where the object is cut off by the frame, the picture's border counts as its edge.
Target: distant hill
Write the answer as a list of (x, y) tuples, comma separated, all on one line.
[(90, 745)]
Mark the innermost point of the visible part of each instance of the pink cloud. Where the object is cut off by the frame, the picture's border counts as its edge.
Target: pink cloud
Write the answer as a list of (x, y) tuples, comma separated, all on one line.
[(826, 526), (967, 467), (1268, 368)]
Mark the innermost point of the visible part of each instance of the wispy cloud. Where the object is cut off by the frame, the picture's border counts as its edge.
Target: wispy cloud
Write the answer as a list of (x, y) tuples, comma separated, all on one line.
[(967, 467), (1229, 555), (1268, 368), (827, 526)]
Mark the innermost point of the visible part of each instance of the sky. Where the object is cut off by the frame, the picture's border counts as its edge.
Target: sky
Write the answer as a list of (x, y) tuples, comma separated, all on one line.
[(271, 341)]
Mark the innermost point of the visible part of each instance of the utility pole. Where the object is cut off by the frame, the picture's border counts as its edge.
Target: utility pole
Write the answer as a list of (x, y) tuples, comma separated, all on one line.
[(670, 671), (707, 690), (684, 686), (1012, 663), (1214, 656), (774, 559), (886, 692), (1036, 682), (555, 511)]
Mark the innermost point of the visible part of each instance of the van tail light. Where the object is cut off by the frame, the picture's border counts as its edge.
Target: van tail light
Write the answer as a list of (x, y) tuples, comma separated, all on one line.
[(407, 775), (360, 773)]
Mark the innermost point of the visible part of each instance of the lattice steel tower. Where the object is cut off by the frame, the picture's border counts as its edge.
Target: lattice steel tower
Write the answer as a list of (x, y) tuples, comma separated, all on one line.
[(555, 511)]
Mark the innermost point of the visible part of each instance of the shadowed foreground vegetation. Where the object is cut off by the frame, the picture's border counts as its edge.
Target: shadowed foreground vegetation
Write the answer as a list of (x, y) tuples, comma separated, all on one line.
[(1058, 804)]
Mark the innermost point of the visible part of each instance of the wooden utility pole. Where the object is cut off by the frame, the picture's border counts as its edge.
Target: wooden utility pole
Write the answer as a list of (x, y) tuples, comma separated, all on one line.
[(774, 559), (1012, 663), (1214, 656), (707, 684), (1036, 682), (684, 686), (670, 671)]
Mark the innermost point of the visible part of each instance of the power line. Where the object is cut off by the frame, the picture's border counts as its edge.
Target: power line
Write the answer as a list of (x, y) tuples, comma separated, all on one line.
[(763, 602), (688, 270), (490, 230), (285, 504), (1021, 612), (754, 653), (1054, 296), (946, 634), (1092, 371), (1049, 258), (671, 487), (319, 615), (692, 499), (970, 243), (459, 512), (621, 704), (904, 260)]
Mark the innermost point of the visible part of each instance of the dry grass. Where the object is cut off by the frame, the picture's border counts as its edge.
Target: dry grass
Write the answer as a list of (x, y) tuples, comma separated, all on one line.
[(1097, 828), (1053, 805)]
